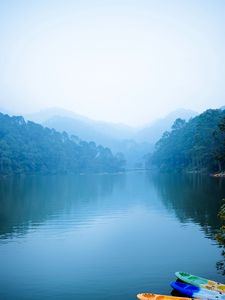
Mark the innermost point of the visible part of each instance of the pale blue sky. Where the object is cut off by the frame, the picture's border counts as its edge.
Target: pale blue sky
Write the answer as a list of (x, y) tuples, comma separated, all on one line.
[(122, 61)]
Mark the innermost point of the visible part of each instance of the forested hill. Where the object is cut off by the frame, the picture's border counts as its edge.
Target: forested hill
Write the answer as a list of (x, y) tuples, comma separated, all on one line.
[(197, 145), (27, 148)]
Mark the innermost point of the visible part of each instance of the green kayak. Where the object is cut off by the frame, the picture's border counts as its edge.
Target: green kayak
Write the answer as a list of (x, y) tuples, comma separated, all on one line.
[(201, 282)]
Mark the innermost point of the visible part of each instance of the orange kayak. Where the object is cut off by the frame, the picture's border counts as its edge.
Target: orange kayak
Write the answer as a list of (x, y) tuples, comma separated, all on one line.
[(159, 297)]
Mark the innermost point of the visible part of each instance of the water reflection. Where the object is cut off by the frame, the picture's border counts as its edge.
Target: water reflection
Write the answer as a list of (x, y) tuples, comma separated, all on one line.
[(29, 201), (88, 236), (193, 198)]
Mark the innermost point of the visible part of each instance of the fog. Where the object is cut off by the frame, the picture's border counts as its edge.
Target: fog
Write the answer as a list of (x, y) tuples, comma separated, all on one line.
[(118, 61)]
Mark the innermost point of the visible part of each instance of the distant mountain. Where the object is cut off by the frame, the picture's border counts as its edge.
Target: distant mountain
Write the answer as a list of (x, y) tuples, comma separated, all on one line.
[(104, 132), (46, 114), (154, 131), (100, 132), (85, 128), (117, 137), (133, 143)]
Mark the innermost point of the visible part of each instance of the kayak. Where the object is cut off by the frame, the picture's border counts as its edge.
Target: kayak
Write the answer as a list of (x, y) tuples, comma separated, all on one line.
[(196, 292), (159, 297), (201, 282)]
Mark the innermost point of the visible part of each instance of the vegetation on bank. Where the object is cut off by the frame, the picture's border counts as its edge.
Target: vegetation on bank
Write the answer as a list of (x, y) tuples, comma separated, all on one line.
[(194, 146), (220, 237), (27, 147)]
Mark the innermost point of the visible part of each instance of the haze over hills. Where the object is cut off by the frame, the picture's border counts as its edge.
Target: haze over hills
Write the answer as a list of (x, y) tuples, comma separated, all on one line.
[(154, 131), (45, 114), (117, 137), (85, 128), (88, 129), (134, 143)]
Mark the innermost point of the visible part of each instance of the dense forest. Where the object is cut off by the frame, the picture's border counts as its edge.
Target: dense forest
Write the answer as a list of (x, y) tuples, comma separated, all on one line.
[(194, 146), (197, 145), (27, 147)]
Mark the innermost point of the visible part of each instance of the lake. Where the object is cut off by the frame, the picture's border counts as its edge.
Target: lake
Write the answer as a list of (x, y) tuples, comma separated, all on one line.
[(106, 236)]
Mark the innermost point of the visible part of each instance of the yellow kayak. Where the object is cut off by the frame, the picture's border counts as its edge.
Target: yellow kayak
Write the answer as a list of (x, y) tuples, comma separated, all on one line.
[(160, 297)]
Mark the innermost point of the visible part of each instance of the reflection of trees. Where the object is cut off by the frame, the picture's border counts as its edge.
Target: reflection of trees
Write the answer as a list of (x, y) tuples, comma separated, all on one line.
[(31, 200), (221, 264), (192, 198), (28, 202), (220, 236), (196, 198)]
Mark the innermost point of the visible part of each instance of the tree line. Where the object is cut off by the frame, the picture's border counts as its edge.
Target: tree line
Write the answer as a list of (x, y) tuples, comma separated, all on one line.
[(197, 145), (29, 148)]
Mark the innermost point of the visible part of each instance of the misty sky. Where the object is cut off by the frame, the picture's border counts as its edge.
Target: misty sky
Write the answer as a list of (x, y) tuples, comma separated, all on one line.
[(120, 60)]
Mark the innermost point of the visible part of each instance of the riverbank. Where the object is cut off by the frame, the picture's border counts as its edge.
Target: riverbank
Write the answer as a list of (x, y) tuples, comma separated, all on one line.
[(220, 174)]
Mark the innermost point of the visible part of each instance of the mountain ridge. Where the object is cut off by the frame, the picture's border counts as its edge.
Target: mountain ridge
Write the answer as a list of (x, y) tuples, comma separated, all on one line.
[(51, 116), (134, 143)]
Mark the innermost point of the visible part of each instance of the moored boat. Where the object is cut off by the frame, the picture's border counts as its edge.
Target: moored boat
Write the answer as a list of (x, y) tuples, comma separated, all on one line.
[(196, 292), (148, 296), (201, 282)]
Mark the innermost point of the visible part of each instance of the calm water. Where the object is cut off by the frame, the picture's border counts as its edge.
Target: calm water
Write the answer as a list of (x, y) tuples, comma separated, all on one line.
[(105, 236)]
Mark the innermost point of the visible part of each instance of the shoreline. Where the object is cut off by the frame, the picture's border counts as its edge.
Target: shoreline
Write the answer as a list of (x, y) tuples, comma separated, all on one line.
[(220, 174)]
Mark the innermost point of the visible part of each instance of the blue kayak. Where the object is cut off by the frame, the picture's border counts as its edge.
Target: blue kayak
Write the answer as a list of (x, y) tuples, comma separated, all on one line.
[(196, 292)]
